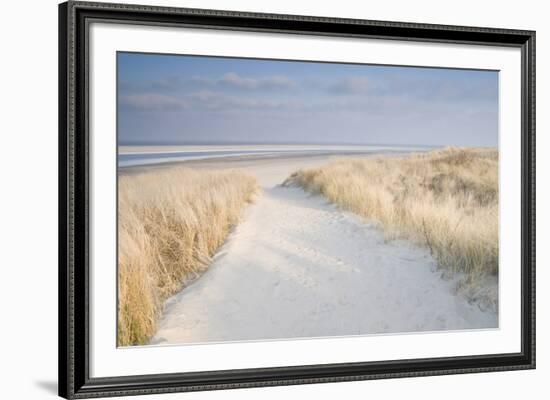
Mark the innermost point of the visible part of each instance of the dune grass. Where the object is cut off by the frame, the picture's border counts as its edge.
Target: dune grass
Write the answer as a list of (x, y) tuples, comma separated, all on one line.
[(446, 200), (170, 223)]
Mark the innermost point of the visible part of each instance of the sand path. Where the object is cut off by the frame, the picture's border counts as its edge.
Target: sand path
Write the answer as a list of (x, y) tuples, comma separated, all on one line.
[(297, 266)]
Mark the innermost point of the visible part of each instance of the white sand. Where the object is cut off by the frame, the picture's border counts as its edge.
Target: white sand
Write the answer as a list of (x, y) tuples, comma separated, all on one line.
[(297, 266)]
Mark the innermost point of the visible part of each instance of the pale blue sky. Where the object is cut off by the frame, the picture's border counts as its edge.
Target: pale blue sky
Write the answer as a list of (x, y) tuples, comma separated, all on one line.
[(172, 99)]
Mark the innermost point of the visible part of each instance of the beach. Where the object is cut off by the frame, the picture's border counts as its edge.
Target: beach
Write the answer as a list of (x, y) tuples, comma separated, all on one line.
[(196, 155), (298, 266)]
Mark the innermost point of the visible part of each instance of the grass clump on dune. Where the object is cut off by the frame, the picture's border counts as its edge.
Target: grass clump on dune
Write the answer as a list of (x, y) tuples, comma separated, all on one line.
[(170, 223), (446, 200)]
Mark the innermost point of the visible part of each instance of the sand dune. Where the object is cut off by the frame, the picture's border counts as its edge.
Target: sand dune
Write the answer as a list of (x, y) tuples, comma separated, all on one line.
[(298, 266)]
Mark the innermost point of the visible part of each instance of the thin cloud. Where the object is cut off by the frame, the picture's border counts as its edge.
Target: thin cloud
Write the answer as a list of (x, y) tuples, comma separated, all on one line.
[(439, 89), (351, 85), (229, 80), (273, 82), (204, 100), (222, 102), (414, 88), (153, 102)]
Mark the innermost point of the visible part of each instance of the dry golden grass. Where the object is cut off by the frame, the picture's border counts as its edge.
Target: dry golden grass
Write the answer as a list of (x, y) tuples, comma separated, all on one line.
[(446, 200), (170, 223)]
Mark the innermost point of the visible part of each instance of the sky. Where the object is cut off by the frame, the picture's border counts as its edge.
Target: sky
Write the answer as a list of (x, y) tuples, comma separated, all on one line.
[(177, 99)]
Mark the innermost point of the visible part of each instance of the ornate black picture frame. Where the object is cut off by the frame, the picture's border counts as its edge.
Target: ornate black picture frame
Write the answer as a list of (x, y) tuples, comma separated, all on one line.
[(74, 188)]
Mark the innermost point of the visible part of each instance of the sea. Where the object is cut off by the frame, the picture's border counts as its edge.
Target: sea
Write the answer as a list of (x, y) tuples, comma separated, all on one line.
[(129, 156)]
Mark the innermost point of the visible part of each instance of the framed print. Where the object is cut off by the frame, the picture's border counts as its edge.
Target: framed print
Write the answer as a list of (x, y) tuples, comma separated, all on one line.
[(255, 199)]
